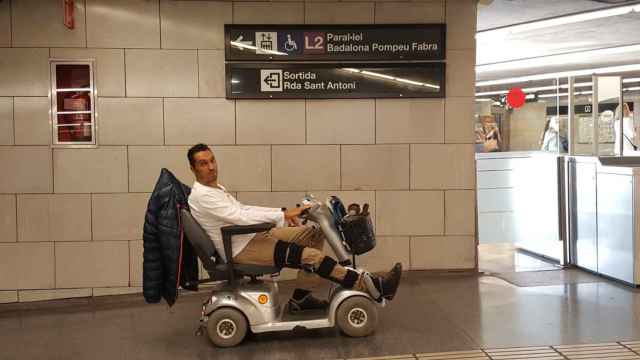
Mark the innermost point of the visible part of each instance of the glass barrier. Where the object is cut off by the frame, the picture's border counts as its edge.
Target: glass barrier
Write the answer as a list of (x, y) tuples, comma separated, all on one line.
[(536, 125), (630, 115), (542, 122), (606, 101)]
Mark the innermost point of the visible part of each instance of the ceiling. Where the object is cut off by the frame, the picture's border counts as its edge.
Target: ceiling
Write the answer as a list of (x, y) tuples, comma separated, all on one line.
[(508, 12), (551, 47)]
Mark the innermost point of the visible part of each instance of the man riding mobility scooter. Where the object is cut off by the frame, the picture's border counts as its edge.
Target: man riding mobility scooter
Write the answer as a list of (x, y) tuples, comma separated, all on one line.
[(240, 301)]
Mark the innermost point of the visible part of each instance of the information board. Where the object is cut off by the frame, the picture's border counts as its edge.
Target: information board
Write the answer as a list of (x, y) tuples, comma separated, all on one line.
[(335, 42), (370, 80)]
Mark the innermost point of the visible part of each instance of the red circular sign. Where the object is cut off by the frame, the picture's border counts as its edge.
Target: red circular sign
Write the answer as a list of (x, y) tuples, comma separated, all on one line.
[(516, 98)]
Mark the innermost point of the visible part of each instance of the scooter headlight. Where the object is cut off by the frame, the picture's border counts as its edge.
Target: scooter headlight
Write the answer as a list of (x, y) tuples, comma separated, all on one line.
[(263, 299)]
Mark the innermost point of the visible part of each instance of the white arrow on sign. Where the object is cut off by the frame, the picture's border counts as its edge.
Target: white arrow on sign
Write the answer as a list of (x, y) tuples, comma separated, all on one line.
[(242, 44)]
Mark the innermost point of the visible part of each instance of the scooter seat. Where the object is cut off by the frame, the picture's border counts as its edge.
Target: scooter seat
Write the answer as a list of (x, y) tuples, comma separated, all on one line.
[(208, 255), (249, 269)]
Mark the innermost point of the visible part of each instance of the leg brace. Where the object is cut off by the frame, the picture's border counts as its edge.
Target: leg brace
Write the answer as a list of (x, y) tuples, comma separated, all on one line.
[(326, 268), (289, 255)]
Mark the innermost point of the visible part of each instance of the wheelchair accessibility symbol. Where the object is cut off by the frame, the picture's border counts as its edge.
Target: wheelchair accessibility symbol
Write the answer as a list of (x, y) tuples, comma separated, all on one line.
[(270, 80), (290, 42)]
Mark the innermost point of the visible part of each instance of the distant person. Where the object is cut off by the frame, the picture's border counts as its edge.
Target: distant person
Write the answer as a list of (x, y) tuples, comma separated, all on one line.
[(629, 133), (552, 137), (492, 141)]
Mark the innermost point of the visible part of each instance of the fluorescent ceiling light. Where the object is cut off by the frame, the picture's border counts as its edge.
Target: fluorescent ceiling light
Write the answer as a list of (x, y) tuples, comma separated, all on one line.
[(589, 92), (561, 20), (552, 95), (556, 59), (596, 71), (553, 87), (407, 81), (535, 89), (388, 77), (371, 73), (73, 90), (565, 94), (241, 45)]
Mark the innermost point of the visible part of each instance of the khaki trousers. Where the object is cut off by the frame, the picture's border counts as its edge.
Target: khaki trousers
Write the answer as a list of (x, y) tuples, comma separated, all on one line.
[(259, 251)]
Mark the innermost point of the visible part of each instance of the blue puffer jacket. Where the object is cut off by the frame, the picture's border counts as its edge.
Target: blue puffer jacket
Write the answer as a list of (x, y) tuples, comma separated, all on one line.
[(167, 255)]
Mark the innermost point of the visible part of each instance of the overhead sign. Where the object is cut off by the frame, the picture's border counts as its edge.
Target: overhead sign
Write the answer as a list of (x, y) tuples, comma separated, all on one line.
[(335, 42), (584, 109), (326, 81)]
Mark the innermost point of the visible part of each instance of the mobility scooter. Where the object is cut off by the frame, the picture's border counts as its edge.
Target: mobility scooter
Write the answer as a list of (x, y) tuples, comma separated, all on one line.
[(241, 301)]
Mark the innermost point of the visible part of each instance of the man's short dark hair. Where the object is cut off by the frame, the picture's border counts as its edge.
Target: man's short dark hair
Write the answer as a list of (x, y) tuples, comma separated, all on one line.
[(196, 149)]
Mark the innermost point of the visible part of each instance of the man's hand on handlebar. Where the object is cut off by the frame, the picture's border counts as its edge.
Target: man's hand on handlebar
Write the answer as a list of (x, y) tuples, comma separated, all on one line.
[(292, 216)]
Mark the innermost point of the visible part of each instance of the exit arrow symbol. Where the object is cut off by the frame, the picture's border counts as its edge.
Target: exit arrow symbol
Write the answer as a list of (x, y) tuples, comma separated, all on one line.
[(272, 80)]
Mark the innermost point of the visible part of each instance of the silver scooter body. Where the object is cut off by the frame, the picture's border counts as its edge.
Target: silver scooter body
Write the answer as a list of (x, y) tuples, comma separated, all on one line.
[(260, 302)]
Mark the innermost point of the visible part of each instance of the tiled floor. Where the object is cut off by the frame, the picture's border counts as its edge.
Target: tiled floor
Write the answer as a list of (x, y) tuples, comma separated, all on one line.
[(430, 314), (604, 351)]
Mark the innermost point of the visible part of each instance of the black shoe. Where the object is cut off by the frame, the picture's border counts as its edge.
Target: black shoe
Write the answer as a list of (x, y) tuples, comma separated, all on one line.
[(387, 284), (309, 302)]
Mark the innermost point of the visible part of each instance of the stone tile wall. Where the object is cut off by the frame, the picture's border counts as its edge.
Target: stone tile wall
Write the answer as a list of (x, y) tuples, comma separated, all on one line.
[(71, 219)]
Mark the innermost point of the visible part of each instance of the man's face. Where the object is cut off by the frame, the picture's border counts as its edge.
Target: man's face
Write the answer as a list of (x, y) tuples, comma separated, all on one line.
[(205, 167)]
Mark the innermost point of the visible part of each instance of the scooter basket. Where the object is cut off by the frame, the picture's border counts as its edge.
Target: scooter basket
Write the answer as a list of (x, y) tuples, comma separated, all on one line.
[(358, 233)]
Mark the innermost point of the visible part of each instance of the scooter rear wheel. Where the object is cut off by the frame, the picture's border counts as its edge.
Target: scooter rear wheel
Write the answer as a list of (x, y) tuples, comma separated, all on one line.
[(357, 316), (226, 327)]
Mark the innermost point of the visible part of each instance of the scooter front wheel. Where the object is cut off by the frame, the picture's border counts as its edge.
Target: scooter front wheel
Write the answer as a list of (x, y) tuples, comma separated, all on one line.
[(226, 327), (357, 316)]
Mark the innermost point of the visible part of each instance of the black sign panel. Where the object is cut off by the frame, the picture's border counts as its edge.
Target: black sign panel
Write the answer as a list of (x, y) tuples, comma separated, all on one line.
[(335, 42), (334, 81)]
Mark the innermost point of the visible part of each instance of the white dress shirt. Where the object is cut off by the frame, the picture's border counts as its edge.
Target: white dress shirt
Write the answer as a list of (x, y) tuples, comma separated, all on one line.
[(214, 207)]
